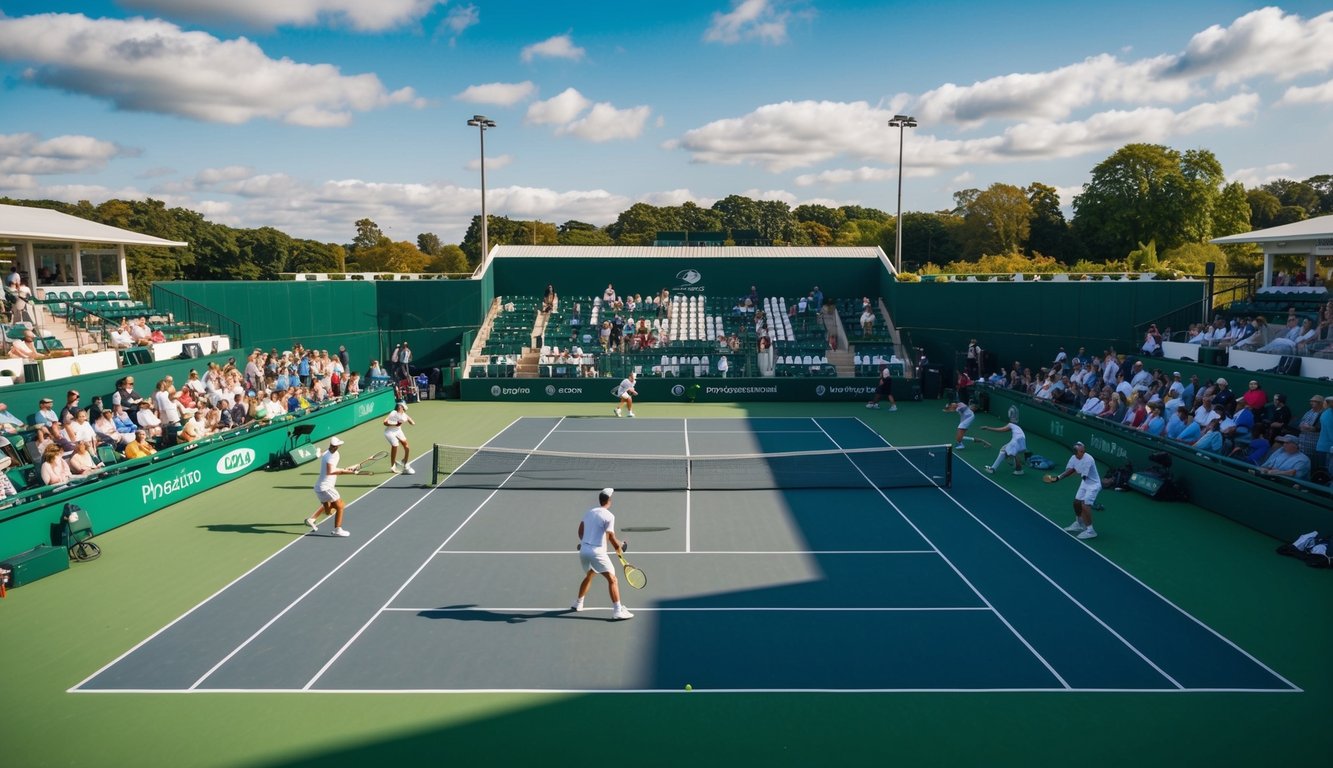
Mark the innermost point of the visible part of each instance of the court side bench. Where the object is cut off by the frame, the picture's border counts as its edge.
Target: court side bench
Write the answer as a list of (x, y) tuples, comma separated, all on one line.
[(37, 563)]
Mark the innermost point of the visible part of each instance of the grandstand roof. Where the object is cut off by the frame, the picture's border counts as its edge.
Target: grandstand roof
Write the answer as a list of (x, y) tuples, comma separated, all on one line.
[(688, 252), (25, 223), (1318, 228)]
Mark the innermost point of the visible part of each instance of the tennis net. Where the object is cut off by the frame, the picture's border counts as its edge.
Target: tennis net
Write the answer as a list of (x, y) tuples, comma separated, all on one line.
[(905, 467)]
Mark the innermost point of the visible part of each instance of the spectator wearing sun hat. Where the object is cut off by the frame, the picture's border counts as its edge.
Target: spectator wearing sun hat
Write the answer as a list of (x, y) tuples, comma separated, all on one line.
[(1224, 397)]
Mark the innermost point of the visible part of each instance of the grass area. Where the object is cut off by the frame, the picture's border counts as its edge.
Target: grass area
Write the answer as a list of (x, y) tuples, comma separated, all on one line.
[(57, 631)]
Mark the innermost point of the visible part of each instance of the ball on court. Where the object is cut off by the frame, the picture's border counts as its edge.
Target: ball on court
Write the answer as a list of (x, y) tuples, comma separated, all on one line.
[(689, 687)]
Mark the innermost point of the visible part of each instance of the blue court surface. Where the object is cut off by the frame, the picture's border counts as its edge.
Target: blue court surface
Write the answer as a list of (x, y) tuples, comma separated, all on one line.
[(466, 588)]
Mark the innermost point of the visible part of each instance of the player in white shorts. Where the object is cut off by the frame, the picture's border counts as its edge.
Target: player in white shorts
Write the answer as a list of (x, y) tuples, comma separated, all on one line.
[(1090, 484), (1018, 443), (596, 529), (393, 432), (965, 419), (326, 490), (625, 393)]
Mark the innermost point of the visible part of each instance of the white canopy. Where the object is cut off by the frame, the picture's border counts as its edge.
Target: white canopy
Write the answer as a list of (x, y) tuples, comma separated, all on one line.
[(19, 222)]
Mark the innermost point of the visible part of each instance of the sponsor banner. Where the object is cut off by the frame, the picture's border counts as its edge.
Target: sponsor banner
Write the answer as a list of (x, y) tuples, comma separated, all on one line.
[(147, 485), (702, 390)]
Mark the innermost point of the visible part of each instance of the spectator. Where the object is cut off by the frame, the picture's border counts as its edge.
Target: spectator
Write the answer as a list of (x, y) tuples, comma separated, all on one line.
[(1224, 397), (1190, 431), (139, 447), (9, 423), (1210, 440), (120, 337), (1324, 444), (405, 362), (550, 301), (140, 332), (1309, 426), (1281, 414), (722, 366), (25, 348), (20, 296), (124, 423), (81, 430), (1152, 342), (148, 419), (867, 321), (82, 462), (609, 295), (54, 470), (46, 413), (1288, 460), (353, 384)]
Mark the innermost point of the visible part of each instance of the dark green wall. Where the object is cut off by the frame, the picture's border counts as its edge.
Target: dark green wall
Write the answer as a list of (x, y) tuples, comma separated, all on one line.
[(368, 317), (731, 277), (1029, 321)]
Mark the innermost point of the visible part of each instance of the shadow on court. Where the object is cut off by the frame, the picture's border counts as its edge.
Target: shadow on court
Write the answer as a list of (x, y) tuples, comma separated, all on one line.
[(470, 612), (289, 529)]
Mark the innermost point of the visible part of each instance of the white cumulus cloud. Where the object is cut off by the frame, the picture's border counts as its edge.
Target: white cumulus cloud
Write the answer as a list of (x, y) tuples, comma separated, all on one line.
[(602, 121), (493, 163), (1314, 94), (362, 15), (1266, 42), (560, 109), (762, 20), (27, 154), (557, 47), (500, 94), (150, 65)]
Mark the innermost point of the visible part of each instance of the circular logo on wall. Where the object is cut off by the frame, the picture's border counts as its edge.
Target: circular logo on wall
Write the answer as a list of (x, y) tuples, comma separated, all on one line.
[(819, 391), (495, 391), (689, 276), (678, 390), (550, 390), (1013, 413)]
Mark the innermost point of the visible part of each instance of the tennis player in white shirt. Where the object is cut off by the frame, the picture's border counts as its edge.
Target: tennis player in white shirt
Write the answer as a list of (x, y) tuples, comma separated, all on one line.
[(596, 530), (626, 393), (393, 432), (1090, 484)]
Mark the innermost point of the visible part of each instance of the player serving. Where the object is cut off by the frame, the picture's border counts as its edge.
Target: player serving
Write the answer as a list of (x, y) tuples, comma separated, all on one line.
[(626, 393), (965, 418), (1090, 484), (393, 432)]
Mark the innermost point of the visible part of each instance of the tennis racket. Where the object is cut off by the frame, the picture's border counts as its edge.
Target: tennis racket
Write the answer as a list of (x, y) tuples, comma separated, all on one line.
[(633, 576), (366, 465)]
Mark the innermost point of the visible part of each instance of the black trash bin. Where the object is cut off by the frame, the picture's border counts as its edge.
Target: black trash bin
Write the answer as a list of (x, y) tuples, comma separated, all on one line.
[(932, 382)]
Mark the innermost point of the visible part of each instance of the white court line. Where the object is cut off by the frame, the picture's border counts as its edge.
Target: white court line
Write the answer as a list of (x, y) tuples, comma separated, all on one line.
[(699, 552), (426, 562), (755, 609), (229, 585), (1138, 581), (668, 691), (947, 561), (685, 427), (1124, 641)]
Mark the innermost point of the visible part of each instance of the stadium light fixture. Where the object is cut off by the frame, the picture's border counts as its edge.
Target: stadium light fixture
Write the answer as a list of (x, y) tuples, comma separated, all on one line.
[(481, 122), (901, 122)]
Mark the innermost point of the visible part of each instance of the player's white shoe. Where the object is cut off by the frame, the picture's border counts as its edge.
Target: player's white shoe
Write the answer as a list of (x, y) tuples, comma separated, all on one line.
[(617, 411), (1075, 527), (577, 606), (1087, 533), (341, 532), (631, 414), (394, 468), (621, 613), (310, 521), (407, 470), (893, 408)]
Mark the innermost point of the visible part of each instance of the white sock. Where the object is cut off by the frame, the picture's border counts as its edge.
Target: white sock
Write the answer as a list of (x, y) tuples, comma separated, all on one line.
[(617, 606), (998, 461)]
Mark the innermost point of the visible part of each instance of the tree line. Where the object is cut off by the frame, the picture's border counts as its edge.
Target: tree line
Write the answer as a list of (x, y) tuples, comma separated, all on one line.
[(1144, 206)]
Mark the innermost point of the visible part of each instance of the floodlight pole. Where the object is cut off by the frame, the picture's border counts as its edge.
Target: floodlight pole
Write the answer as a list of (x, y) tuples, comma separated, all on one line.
[(481, 122), (900, 122)]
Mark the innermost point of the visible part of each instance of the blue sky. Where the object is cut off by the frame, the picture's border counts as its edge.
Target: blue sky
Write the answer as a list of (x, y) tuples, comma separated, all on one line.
[(307, 115)]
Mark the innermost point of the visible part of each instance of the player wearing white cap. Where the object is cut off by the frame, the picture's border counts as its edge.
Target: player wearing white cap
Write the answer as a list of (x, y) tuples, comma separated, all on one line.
[(597, 528), (326, 490), (1090, 484)]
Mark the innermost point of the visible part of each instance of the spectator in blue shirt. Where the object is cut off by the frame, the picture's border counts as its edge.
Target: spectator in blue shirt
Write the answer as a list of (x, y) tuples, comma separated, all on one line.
[(1211, 440), (1190, 432), (1288, 460), (1324, 445), (8, 421)]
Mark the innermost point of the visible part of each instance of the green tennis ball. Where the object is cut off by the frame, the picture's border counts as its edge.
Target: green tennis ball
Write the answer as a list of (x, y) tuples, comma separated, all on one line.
[(689, 687)]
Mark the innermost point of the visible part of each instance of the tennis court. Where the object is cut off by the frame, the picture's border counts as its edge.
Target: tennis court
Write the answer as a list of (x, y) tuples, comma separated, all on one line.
[(940, 581)]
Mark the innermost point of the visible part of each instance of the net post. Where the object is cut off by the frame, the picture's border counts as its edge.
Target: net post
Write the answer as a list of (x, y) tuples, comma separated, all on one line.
[(435, 464), (948, 466)]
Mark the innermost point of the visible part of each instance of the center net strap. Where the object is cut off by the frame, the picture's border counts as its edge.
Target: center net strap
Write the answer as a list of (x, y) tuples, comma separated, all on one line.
[(903, 467)]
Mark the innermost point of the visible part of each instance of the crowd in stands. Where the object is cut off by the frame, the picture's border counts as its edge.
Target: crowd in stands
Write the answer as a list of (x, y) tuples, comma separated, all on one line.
[(79, 439), (1297, 335), (1250, 425)]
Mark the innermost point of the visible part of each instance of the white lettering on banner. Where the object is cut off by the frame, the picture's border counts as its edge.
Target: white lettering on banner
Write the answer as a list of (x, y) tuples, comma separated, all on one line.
[(153, 490), (364, 409), (770, 390), (235, 461), (497, 391), (1107, 448), (552, 390), (1057, 428), (848, 389)]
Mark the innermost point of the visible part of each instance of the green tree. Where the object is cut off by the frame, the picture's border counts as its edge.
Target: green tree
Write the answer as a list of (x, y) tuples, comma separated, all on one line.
[(930, 238), (1048, 232), (864, 232), (851, 212), (368, 235), (1323, 184), (829, 218), (535, 233), (581, 233), (997, 220), (1231, 212), (450, 260), (636, 225), (1264, 207), (737, 212), (815, 233), (1147, 193), (1190, 258), (775, 222), (313, 256), (429, 243), (390, 256), (1297, 194)]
